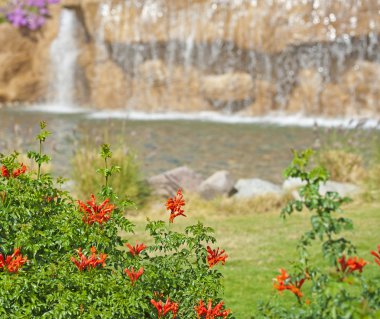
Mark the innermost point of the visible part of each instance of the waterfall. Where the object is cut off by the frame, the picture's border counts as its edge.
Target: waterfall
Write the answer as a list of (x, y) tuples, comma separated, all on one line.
[(310, 57), (63, 57)]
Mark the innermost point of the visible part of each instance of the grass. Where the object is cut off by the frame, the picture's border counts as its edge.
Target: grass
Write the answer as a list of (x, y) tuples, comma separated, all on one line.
[(128, 181), (258, 244)]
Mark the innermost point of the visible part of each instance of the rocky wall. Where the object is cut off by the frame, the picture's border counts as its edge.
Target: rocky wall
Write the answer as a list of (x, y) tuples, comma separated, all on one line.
[(24, 61), (310, 57)]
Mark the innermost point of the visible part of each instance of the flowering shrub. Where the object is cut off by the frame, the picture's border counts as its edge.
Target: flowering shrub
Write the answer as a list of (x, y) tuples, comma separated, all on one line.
[(343, 293), (78, 265), (30, 14)]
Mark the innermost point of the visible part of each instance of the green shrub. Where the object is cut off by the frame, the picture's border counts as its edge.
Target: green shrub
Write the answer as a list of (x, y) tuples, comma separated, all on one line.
[(339, 290), (60, 258)]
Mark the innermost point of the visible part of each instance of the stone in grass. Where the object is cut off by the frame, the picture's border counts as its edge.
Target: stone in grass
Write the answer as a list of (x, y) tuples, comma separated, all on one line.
[(248, 188), (343, 189), (167, 183), (291, 185), (219, 183)]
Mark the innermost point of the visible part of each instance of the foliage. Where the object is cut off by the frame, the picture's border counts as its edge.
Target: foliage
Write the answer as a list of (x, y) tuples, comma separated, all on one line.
[(128, 179), (344, 293), (69, 259)]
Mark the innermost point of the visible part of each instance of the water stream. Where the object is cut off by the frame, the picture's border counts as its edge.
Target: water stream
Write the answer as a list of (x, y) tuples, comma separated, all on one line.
[(63, 55)]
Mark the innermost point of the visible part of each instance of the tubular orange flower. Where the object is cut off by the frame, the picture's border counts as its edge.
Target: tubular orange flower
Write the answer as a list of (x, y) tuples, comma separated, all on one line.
[(13, 262), (88, 263), (93, 213), (4, 172), (133, 276), (175, 205), (284, 282), (137, 249), (215, 256), (163, 309), (17, 172), (210, 312), (377, 255), (351, 264)]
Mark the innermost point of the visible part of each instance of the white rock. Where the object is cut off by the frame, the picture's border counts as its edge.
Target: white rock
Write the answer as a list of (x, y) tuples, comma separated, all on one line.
[(343, 189), (169, 182), (255, 187), (220, 183), (292, 183)]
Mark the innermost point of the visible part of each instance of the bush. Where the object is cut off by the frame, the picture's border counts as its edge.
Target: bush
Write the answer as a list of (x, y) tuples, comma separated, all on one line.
[(128, 182), (65, 259), (340, 291)]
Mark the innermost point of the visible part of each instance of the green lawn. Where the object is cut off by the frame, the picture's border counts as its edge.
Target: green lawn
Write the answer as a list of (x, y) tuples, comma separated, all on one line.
[(258, 244)]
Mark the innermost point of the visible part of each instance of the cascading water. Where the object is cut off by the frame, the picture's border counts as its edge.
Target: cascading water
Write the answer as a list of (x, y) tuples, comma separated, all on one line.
[(63, 57), (315, 57)]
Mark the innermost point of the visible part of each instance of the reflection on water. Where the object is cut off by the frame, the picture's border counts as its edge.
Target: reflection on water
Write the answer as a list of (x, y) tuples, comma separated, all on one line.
[(246, 150)]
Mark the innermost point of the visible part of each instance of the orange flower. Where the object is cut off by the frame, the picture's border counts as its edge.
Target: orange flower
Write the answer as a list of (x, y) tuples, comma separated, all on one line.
[(137, 249), (4, 172), (215, 256), (284, 282), (133, 276), (377, 255), (280, 282), (93, 213), (351, 264), (210, 312), (163, 309), (175, 205), (17, 172), (88, 263), (13, 262)]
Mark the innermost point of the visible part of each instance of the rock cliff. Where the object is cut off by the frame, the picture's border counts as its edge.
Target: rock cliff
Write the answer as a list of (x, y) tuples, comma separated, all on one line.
[(310, 57)]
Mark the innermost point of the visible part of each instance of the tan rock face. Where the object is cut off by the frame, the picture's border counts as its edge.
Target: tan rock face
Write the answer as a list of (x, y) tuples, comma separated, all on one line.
[(306, 95), (24, 61), (183, 55), (109, 85), (227, 87)]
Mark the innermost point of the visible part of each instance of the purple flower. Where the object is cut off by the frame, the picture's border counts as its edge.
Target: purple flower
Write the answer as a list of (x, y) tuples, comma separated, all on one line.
[(35, 21), (27, 13), (17, 17)]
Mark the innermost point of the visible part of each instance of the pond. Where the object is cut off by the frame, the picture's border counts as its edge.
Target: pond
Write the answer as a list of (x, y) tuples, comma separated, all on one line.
[(245, 149)]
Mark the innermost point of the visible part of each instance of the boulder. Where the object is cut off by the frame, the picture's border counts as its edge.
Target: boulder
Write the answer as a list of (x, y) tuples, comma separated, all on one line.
[(343, 189), (167, 183), (291, 185), (255, 187), (219, 183)]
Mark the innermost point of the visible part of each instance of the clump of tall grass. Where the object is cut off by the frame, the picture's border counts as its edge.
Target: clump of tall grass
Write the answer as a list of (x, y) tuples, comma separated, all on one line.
[(227, 206), (128, 182), (343, 166)]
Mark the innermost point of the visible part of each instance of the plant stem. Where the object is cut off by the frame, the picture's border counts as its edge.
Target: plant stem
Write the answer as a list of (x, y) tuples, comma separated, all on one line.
[(106, 175), (39, 163)]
